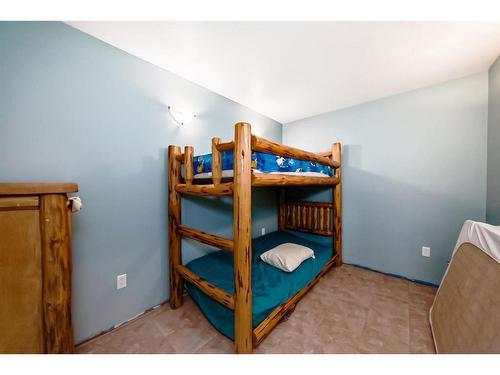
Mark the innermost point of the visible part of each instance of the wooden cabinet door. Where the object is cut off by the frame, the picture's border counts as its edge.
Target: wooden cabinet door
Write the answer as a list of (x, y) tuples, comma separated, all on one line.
[(21, 315)]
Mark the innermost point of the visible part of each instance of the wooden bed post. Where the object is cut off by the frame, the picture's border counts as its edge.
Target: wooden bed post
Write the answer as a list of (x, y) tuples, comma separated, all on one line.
[(216, 162), (282, 208), (337, 205), (188, 165), (243, 333), (174, 220)]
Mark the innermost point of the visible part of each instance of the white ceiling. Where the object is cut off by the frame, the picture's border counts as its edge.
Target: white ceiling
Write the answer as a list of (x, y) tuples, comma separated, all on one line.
[(292, 70)]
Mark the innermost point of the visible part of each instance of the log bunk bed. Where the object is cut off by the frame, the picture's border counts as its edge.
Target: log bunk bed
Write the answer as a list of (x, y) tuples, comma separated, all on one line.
[(235, 295)]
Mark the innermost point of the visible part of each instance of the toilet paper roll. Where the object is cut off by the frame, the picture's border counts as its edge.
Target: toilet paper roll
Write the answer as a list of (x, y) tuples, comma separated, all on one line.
[(75, 203)]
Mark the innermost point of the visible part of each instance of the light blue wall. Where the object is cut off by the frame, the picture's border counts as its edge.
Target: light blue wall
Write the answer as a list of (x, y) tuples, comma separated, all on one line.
[(73, 108), (414, 171), (493, 195)]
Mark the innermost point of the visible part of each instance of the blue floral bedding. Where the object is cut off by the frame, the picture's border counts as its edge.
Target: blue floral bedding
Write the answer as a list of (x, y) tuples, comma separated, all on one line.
[(262, 162)]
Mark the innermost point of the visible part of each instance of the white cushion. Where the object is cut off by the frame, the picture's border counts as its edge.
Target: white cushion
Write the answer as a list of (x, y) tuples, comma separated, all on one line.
[(287, 256)]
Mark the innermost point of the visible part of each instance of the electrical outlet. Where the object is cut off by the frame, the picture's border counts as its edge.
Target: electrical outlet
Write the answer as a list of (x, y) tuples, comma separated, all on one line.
[(426, 251), (121, 281), (263, 231)]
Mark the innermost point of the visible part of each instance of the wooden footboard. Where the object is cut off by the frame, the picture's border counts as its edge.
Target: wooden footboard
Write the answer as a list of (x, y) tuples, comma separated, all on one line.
[(310, 217)]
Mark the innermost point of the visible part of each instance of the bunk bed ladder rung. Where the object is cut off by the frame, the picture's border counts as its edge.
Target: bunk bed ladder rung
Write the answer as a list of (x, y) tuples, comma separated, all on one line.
[(214, 292), (206, 190), (206, 238)]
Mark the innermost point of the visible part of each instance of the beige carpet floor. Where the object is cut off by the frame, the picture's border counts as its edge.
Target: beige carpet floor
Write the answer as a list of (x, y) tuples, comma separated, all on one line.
[(351, 310)]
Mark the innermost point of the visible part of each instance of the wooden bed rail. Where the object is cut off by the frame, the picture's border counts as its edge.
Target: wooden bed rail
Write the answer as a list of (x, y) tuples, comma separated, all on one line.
[(326, 154), (221, 146), (260, 145), (206, 190), (206, 287), (263, 145), (226, 146), (271, 179)]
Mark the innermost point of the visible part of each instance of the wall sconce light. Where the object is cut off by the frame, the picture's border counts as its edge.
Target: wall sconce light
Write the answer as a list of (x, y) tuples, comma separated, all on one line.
[(181, 115)]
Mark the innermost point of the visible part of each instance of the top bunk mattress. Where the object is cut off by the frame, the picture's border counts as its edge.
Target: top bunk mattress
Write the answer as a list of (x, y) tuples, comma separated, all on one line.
[(270, 286), (264, 163)]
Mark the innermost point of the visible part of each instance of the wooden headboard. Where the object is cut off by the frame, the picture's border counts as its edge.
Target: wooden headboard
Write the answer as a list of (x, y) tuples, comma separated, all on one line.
[(311, 217)]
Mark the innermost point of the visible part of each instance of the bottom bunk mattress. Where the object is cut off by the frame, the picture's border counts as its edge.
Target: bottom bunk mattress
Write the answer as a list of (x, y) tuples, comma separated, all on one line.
[(271, 286)]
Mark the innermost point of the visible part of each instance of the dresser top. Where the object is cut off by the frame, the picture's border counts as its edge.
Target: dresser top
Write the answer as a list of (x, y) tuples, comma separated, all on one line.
[(37, 188)]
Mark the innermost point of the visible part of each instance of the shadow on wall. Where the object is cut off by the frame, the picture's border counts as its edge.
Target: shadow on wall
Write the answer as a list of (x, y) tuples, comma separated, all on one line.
[(386, 222)]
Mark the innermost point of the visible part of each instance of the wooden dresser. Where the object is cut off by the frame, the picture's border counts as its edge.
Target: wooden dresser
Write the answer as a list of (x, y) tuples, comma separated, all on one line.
[(35, 268)]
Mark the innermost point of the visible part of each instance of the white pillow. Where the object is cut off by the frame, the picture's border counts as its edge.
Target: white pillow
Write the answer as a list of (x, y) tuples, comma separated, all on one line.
[(287, 256)]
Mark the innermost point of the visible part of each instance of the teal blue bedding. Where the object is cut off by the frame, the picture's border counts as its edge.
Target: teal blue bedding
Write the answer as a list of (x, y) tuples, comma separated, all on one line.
[(271, 286)]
